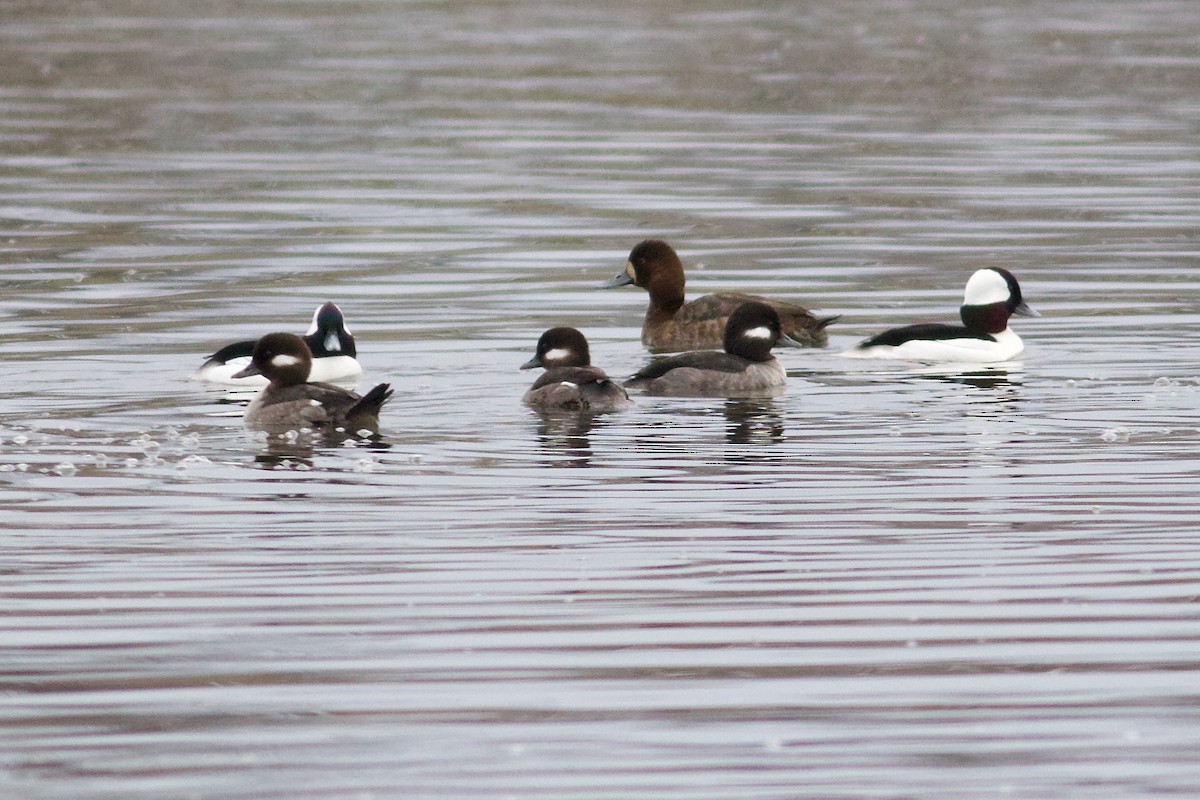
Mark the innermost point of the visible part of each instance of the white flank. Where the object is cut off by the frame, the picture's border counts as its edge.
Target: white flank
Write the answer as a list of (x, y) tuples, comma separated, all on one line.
[(284, 360), (761, 332), (985, 287), (313, 327)]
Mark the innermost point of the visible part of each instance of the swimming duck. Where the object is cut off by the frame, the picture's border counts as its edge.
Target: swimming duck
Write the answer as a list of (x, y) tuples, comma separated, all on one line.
[(746, 368), (328, 338), (571, 382), (290, 402), (992, 295), (672, 325)]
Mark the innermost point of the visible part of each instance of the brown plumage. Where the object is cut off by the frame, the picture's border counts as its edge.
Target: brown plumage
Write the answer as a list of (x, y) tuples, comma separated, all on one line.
[(290, 402), (672, 325), (570, 382)]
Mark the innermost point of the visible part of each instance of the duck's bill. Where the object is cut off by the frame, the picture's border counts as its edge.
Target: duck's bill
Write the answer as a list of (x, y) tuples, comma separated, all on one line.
[(1025, 311), (787, 341), (532, 363), (622, 278), (249, 372)]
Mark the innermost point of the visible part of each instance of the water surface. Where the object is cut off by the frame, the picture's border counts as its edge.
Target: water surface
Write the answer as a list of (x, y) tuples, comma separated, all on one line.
[(891, 582)]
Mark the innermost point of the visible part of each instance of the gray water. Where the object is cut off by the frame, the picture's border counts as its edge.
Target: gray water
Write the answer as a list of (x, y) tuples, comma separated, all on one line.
[(891, 582)]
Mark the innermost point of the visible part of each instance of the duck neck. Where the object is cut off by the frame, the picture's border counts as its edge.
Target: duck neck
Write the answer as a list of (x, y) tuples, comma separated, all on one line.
[(990, 318), (666, 292)]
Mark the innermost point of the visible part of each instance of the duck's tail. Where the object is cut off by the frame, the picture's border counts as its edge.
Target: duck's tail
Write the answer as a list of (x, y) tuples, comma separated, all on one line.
[(371, 402)]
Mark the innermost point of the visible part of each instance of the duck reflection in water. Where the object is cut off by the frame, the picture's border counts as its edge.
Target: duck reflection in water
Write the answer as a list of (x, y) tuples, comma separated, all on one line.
[(753, 421), (566, 436), (569, 395), (296, 450), (999, 388)]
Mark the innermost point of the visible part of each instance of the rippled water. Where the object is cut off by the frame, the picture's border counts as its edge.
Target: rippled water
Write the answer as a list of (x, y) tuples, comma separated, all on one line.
[(891, 582)]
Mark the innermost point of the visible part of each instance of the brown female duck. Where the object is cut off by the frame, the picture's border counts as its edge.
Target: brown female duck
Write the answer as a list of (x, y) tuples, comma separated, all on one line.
[(672, 325)]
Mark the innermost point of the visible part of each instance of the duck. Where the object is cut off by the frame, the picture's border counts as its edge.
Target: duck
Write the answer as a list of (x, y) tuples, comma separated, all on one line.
[(328, 339), (992, 295), (671, 325), (290, 401), (570, 382), (745, 369)]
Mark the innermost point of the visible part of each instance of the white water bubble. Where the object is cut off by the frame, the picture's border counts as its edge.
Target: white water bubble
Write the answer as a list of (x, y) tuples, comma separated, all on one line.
[(66, 469), (20, 439), (1117, 434)]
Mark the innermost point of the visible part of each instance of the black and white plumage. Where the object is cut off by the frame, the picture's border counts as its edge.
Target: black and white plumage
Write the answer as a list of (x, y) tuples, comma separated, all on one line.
[(992, 295), (335, 357), (290, 402), (570, 382)]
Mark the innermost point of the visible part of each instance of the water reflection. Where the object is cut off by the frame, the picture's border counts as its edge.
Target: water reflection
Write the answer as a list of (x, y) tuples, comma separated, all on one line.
[(566, 435), (899, 575), (753, 421), (999, 388), (296, 449)]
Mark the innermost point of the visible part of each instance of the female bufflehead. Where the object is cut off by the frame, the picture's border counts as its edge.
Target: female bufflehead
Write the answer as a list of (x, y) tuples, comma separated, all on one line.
[(290, 402), (570, 382), (328, 338), (991, 297), (746, 368), (672, 325)]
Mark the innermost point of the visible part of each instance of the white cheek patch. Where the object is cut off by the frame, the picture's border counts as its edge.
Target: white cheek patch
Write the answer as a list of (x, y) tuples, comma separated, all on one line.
[(332, 343), (557, 354), (284, 361), (986, 287), (313, 328), (761, 332)]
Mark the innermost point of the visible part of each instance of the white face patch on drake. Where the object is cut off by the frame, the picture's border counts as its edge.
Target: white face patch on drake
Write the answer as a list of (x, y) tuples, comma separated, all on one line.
[(557, 354), (761, 332), (986, 287), (284, 360), (314, 327)]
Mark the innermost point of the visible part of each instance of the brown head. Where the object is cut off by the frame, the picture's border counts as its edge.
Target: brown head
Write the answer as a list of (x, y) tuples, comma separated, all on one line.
[(283, 358), (560, 347), (655, 266)]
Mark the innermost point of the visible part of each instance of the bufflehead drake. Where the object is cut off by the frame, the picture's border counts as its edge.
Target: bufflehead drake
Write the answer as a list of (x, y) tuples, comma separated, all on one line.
[(991, 297), (746, 368), (570, 382), (672, 325), (328, 339), (290, 402)]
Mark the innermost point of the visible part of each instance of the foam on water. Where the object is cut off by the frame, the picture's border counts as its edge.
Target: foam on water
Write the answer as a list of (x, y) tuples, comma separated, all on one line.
[(893, 581)]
